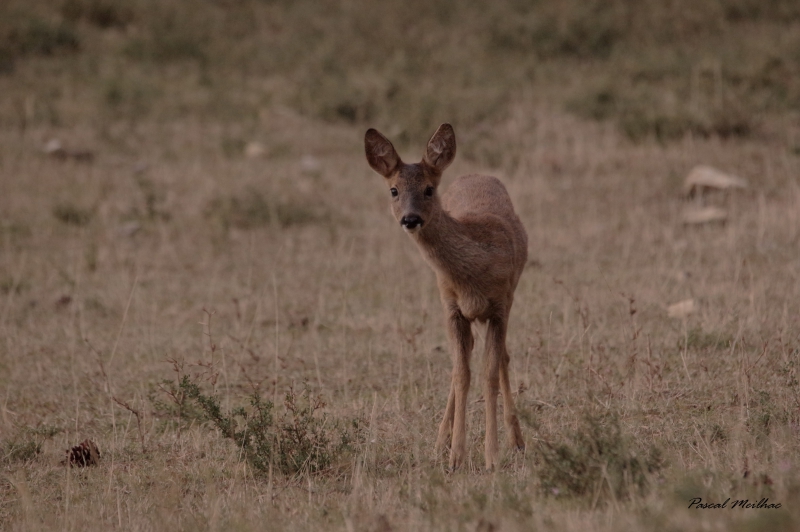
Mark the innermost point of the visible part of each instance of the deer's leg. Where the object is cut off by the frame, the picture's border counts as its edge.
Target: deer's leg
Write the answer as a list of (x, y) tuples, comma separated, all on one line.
[(446, 426), (495, 335), (461, 342), (513, 432)]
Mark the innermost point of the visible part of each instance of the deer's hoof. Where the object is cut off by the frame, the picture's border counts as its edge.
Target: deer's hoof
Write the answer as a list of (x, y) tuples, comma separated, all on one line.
[(456, 461)]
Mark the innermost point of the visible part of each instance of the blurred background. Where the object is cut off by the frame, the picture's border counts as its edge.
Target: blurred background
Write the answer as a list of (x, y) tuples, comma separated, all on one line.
[(654, 69)]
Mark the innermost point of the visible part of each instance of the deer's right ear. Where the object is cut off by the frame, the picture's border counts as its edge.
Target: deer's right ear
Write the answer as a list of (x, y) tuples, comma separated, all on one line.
[(381, 155)]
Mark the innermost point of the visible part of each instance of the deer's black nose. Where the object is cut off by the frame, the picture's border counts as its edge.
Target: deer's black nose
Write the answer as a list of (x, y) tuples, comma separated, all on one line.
[(410, 221)]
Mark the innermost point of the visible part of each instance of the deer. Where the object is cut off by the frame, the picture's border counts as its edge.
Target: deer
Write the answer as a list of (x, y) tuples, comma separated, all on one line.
[(477, 246)]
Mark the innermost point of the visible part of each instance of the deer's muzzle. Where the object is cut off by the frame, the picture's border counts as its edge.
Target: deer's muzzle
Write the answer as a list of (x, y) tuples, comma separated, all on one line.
[(411, 222)]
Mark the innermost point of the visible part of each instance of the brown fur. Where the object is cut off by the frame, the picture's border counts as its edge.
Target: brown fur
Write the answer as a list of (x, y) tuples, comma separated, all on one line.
[(477, 246)]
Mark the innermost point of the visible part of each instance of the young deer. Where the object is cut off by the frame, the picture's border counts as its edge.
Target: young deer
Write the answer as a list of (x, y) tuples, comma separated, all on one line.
[(477, 246)]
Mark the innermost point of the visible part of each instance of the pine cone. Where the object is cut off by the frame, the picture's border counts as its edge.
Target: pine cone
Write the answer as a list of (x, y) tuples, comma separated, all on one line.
[(85, 454)]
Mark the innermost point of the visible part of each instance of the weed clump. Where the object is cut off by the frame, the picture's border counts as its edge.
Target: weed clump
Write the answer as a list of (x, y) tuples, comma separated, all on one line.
[(69, 214), (251, 209), (585, 30), (26, 444), (33, 36), (599, 462), (100, 13), (38, 36), (21, 451), (765, 415), (297, 440), (171, 37), (696, 338)]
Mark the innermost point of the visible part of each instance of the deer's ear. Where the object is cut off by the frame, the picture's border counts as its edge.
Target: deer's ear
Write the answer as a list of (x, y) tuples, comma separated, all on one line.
[(441, 149), (381, 155)]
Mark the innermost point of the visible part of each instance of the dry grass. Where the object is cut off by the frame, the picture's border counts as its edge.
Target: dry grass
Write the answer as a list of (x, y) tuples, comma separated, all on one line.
[(173, 245)]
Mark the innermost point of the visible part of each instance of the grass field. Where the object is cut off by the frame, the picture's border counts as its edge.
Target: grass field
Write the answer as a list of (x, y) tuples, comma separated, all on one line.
[(210, 229)]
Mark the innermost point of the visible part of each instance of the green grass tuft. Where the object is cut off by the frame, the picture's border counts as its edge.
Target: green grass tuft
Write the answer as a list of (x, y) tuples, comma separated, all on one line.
[(300, 439), (598, 462), (70, 214)]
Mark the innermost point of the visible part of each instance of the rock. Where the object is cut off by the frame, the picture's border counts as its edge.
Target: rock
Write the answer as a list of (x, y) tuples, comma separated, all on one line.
[(704, 215), (705, 177), (53, 148), (682, 309), (129, 228), (254, 150), (310, 165)]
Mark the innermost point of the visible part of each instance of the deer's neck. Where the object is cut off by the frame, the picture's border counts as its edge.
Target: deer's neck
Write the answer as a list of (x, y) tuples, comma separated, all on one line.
[(446, 246)]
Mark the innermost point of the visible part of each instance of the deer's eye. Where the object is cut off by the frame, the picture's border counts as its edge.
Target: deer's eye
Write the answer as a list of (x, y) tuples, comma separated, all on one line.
[(394, 192), (429, 191)]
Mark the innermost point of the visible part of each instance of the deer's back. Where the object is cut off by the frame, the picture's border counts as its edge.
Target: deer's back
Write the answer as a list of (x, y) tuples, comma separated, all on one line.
[(484, 204), (474, 195)]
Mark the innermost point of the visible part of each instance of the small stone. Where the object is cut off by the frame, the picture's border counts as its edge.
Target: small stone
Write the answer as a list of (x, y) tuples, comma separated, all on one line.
[(310, 165), (129, 228), (682, 309), (704, 215), (52, 145), (254, 150), (705, 177)]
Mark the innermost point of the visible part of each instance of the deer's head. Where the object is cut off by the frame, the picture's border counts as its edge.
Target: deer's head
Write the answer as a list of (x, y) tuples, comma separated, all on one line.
[(412, 186)]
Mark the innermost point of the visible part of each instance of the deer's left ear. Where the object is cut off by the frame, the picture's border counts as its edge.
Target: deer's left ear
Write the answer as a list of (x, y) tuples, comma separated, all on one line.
[(441, 149), (381, 155)]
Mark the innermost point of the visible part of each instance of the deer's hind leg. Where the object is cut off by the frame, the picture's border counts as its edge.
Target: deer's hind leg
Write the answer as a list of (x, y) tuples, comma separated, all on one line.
[(495, 335), (513, 431), (446, 426)]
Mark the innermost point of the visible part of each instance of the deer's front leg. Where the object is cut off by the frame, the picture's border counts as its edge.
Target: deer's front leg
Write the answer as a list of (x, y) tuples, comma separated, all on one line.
[(461, 342)]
